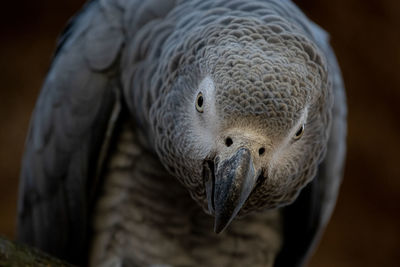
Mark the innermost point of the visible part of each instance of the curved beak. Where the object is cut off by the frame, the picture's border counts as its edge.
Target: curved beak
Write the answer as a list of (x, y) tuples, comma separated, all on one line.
[(234, 180)]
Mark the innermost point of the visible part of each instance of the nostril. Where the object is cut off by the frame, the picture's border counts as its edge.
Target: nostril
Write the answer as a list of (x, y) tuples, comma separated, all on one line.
[(261, 151), (228, 142)]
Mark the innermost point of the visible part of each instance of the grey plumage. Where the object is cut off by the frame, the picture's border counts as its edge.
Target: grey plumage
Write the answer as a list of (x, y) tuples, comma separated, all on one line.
[(116, 127)]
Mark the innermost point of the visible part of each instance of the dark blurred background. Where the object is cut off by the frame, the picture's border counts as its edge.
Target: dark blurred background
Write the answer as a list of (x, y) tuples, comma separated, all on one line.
[(365, 228)]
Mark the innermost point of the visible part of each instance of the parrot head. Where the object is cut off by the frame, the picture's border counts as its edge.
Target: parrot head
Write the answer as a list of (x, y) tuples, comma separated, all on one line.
[(243, 117)]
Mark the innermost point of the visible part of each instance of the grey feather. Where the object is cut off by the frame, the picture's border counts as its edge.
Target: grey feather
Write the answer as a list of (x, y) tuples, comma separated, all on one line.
[(66, 133), (119, 164)]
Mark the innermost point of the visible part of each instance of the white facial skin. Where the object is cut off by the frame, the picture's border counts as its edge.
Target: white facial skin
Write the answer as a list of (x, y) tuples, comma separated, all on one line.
[(205, 124)]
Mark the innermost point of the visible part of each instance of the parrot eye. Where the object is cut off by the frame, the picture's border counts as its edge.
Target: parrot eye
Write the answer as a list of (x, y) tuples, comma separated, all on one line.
[(199, 103), (299, 132)]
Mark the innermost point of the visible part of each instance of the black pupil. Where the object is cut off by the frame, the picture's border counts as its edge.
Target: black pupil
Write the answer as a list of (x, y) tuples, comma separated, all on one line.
[(200, 101), (299, 131)]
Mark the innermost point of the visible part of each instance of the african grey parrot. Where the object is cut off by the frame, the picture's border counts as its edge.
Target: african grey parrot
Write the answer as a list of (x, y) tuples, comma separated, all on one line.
[(185, 133)]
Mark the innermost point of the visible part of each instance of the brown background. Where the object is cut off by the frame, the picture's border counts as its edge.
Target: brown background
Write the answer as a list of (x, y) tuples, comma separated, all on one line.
[(365, 228)]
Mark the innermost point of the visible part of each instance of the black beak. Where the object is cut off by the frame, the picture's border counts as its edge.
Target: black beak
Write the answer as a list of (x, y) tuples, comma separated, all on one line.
[(234, 180)]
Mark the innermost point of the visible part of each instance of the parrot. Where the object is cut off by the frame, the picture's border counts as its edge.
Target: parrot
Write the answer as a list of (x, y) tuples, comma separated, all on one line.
[(185, 133)]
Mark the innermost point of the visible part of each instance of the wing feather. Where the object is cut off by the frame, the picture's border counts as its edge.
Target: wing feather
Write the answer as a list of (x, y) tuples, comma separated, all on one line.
[(67, 132)]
